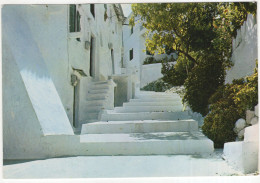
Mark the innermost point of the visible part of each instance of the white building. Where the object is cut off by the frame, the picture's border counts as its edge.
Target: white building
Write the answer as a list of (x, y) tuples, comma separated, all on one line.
[(135, 52), (244, 50), (54, 59)]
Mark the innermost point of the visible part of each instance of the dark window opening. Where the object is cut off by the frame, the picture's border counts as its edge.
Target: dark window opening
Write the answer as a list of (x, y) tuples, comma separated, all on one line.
[(131, 54), (105, 12), (91, 66), (92, 9), (74, 19), (113, 64), (75, 100)]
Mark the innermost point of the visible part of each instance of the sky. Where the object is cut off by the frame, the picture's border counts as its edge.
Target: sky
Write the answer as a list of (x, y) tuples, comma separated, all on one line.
[(127, 9)]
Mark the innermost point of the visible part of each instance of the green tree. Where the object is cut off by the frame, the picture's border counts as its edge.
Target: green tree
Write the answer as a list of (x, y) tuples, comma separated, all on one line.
[(201, 33)]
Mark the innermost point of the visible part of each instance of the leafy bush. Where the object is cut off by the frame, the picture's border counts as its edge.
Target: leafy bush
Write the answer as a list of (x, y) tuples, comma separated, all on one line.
[(157, 86), (176, 74), (202, 82), (247, 95), (149, 60), (228, 104), (152, 60)]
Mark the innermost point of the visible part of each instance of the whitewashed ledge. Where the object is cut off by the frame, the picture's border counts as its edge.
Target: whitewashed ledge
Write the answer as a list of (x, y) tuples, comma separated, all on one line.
[(244, 155)]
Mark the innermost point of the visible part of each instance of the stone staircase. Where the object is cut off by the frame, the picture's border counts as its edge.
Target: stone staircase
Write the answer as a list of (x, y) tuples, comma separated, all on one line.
[(98, 99), (151, 124)]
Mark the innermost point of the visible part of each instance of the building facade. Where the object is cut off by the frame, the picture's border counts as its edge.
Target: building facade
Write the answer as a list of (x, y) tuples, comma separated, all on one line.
[(53, 55)]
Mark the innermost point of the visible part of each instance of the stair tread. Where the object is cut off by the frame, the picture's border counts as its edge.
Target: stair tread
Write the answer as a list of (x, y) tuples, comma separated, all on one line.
[(139, 121), (141, 137), (132, 113)]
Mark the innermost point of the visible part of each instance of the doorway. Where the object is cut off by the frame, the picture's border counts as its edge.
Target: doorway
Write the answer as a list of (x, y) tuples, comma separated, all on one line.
[(113, 64), (92, 55), (76, 104)]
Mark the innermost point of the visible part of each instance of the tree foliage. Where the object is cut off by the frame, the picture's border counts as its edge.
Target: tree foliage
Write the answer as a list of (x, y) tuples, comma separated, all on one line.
[(176, 74), (158, 86), (202, 82), (201, 33)]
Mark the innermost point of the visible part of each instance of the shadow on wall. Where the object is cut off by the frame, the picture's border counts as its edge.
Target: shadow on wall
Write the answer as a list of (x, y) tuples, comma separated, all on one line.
[(36, 78)]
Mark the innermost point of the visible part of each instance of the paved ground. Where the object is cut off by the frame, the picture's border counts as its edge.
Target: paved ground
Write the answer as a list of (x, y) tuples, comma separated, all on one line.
[(120, 166)]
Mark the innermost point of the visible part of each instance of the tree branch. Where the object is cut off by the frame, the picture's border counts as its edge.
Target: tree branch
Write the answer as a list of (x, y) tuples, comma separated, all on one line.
[(187, 55)]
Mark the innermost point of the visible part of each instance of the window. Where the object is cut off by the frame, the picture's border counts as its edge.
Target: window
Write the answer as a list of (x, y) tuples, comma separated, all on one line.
[(105, 12), (132, 30), (131, 54), (74, 19), (92, 9)]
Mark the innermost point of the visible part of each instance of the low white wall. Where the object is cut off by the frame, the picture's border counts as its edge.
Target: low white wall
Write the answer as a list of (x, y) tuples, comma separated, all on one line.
[(244, 155), (244, 51), (150, 72)]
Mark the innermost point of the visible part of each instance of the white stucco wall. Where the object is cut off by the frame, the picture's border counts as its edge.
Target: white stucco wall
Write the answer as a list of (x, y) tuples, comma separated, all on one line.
[(150, 72), (131, 41), (36, 78), (244, 51), (61, 51), (38, 56)]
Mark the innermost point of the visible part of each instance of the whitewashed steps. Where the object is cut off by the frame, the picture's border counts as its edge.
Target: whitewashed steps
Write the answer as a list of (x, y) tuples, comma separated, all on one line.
[(128, 109), (96, 99), (139, 126), (110, 116), (162, 143)]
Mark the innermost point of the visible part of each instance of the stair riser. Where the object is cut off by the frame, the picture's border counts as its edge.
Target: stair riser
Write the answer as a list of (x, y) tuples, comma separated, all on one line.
[(145, 116), (181, 126), (97, 96), (98, 91), (156, 93), (127, 109), (158, 97), (99, 87), (155, 100), (185, 147), (91, 116), (95, 103), (100, 83), (94, 108), (151, 103)]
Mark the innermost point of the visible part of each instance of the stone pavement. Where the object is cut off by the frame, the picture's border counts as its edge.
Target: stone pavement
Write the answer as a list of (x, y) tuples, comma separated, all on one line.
[(121, 167)]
